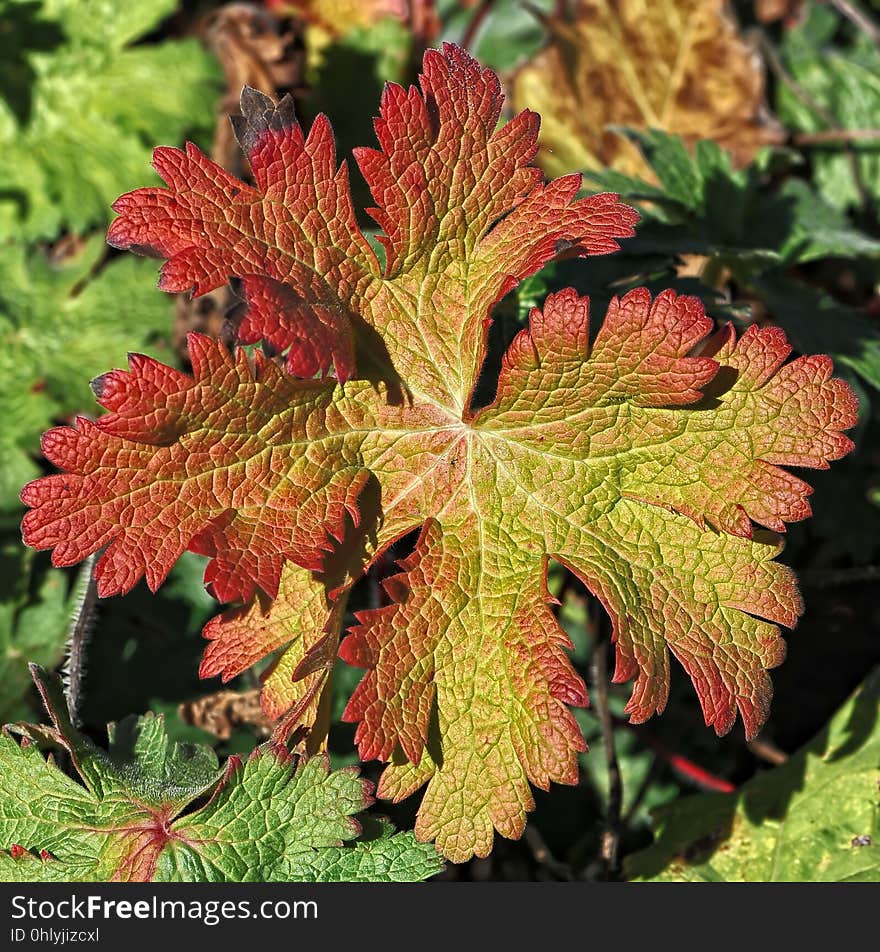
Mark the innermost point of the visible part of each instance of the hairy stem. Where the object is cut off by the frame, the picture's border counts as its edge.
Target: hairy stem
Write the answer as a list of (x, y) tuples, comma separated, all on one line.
[(86, 602)]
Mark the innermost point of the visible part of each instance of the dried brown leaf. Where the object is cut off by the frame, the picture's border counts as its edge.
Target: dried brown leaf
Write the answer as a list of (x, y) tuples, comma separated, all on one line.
[(222, 712), (768, 11), (254, 49), (676, 65)]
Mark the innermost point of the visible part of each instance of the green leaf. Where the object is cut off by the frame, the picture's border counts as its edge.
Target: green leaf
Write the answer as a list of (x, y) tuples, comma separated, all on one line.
[(267, 820), (816, 229), (72, 135), (30, 868), (816, 818), (510, 33), (744, 222), (705, 206), (294, 823), (844, 80), (61, 322), (686, 181)]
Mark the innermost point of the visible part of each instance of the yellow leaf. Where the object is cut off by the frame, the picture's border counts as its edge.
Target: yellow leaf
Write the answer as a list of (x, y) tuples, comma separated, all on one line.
[(676, 65), (338, 17)]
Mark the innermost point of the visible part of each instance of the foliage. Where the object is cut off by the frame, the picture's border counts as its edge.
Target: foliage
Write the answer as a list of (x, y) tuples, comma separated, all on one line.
[(775, 238), (651, 505), (72, 133), (674, 65), (64, 317), (33, 627), (842, 87), (742, 221), (778, 826), (340, 16), (265, 820)]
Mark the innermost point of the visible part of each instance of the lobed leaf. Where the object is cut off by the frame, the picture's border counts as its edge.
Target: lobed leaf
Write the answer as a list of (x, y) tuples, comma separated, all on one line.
[(641, 461), (266, 820), (464, 213)]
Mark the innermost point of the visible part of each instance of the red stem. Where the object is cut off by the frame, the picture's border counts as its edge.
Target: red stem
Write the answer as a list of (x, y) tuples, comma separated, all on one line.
[(470, 34), (681, 764)]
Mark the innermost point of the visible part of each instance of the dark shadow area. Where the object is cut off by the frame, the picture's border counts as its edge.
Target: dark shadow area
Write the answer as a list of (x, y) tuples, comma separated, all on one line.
[(143, 646), (22, 33), (349, 554), (19, 199), (374, 362), (505, 325), (862, 720), (829, 653), (351, 107)]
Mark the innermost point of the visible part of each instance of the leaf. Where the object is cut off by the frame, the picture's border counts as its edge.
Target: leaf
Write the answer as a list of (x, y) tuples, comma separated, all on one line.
[(511, 30), (82, 138), (295, 825), (631, 269), (843, 79), (676, 65), (63, 316), (219, 714), (819, 230), (297, 621), (374, 53), (778, 826), (337, 17), (704, 206), (265, 820), (634, 462)]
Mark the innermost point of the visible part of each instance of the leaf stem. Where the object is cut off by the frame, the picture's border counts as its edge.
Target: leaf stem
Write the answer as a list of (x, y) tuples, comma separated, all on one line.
[(476, 21), (835, 136), (86, 602), (782, 74), (611, 836), (767, 751), (858, 16)]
